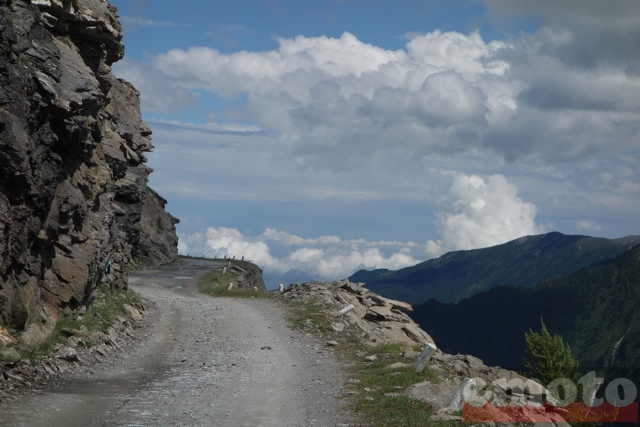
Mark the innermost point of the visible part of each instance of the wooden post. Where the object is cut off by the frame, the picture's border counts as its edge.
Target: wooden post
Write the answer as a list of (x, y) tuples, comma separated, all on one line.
[(230, 286), (426, 354), (224, 270), (281, 288)]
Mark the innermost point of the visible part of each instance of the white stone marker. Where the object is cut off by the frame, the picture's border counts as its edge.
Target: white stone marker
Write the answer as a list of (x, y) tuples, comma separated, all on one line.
[(347, 309), (426, 354)]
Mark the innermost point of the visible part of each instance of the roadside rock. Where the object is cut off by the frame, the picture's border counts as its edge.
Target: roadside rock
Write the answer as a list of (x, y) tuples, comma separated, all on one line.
[(9, 356), (67, 353), (465, 378), (5, 337), (380, 320), (133, 312), (246, 275)]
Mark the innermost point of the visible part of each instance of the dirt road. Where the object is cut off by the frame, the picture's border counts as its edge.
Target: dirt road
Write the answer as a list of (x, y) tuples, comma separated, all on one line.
[(203, 362)]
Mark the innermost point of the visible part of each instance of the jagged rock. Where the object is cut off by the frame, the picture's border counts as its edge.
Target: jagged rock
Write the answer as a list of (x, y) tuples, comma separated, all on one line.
[(338, 327), (379, 313), (133, 312), (463, 394), (13, 376), (75, 342), (158, 239), (247, 276), (354, 288), (6, 338), (380, 319), (75, 208), (499, 385), (9, 355), (409, 353), (68, 353), (437, 395)]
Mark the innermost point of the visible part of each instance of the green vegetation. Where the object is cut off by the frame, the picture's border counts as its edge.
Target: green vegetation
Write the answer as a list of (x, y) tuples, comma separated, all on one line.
[(309, 317), (216, 284), (380, 390), (523, 262), (549, 357), (101, 314), (593, 310), (375, 390)]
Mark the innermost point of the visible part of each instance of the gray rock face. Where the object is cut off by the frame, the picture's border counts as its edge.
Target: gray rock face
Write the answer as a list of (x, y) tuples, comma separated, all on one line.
[(246, 275), (380, 320), (74, 204)]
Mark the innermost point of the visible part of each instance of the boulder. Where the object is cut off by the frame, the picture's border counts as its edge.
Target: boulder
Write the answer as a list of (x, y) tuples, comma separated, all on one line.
[(6, 338), (9, 356), (133, 312), (67, 353)]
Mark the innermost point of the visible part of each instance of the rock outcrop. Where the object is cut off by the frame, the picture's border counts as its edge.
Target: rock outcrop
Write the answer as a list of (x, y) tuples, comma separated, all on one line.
[(74, 204), (380, 320), (352, 308), (245, 275)]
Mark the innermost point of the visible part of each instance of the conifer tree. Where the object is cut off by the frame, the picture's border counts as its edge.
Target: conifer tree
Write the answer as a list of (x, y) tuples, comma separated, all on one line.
[(550, 358)]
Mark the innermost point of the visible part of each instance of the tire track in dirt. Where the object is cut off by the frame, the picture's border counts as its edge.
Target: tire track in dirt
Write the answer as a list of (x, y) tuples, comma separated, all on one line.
[(203, 362)]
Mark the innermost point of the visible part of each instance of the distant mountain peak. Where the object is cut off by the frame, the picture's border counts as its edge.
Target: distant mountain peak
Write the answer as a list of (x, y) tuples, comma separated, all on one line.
[(525, 262)]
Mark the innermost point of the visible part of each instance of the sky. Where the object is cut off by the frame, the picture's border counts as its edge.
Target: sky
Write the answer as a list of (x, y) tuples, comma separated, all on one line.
[(316, 138)]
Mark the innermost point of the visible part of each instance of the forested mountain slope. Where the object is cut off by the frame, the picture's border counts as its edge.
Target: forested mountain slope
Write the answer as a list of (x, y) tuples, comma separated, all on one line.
[(522, 262)]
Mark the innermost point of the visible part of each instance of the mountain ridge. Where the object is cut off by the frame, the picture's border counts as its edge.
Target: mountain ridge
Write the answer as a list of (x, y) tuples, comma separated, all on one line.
[(593, 309), (525, 262)]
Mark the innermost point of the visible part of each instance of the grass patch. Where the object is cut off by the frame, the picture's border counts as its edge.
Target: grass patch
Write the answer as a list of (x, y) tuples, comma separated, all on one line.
[(378, 390), (309, 317), (216, 284), (101, 314)]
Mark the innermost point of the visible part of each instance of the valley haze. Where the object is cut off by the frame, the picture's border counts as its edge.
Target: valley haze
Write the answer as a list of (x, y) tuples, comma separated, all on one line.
[(317, 138)]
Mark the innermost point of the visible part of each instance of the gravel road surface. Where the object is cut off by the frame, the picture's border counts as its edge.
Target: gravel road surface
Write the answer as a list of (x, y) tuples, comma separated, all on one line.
[(201, 361)]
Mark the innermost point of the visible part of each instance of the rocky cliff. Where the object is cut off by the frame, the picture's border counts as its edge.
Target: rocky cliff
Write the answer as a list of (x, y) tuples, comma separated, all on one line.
[(75, 208)]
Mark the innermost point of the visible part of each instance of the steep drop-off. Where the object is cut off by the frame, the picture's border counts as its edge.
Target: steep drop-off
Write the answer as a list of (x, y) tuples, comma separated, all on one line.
[(75, 209)]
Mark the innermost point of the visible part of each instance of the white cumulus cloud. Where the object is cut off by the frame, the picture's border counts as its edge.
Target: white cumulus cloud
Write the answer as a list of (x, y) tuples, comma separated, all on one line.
[(324, 257), (334, 103), (589, 225), (483, 212)]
